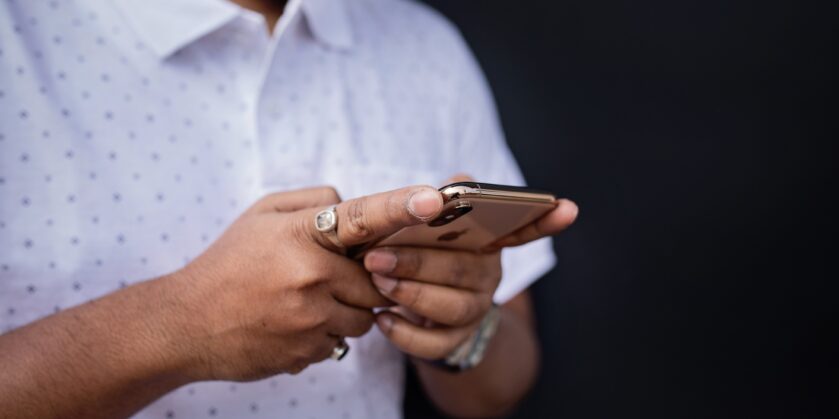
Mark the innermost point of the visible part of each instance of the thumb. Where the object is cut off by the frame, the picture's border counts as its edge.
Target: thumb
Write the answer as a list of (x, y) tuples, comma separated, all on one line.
[(372, 217)]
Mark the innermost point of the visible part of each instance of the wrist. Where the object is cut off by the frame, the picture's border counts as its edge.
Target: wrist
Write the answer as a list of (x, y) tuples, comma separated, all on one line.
[(151, 318), (174, 327), (469, 353)]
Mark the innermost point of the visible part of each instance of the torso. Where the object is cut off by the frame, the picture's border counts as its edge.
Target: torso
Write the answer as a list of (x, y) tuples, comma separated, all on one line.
[(116, 166)]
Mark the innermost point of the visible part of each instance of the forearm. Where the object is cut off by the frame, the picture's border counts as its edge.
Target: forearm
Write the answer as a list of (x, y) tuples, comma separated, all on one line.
[(506, 373), (106, 358)]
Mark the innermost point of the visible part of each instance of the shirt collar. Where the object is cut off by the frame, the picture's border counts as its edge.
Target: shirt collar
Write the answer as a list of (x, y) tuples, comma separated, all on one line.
[(330, 22), (169, 25)]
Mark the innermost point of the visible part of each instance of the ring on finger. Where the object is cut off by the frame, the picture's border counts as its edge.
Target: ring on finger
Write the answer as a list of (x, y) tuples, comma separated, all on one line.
[(326, 222), (340, 350)]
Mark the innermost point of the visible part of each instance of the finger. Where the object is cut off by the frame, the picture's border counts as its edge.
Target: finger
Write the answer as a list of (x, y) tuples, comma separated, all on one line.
[(370, 217), (322, 350), (440, 304), (319, 348), (350, 283), (549, 224), (411, 316), (460, 269), (460, 177), (421, 342), (350, 321), (296, 200)]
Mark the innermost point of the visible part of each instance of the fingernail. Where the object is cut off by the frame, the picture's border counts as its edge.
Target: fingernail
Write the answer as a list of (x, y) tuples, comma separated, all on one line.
[(385, 323), (575, 210), (384, 284), (425, 203), (381, 261)]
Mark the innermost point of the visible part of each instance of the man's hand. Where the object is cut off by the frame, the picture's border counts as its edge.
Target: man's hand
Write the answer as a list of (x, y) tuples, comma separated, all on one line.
[(274, 295), (452, 290)]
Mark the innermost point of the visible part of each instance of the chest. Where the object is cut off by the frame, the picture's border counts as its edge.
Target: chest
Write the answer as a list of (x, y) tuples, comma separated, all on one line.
[(116, 166)]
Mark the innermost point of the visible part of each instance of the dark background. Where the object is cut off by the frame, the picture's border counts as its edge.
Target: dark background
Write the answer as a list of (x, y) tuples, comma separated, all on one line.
[(698, 138)]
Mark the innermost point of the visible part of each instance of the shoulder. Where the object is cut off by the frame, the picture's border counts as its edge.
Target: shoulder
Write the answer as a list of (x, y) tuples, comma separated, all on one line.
[(406, 14), (411, 27)]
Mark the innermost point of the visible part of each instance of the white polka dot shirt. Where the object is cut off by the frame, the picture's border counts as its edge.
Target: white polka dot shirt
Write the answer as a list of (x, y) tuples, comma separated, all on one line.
[(132, 133)]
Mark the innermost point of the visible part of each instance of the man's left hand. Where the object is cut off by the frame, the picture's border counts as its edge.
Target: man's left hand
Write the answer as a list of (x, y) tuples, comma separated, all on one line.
[(452, 290)]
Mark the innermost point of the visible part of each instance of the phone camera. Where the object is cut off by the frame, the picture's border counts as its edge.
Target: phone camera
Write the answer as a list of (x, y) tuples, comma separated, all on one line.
[(451, 214)]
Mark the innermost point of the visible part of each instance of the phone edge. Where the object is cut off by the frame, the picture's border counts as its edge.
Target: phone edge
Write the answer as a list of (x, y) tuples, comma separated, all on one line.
[(471, 190)]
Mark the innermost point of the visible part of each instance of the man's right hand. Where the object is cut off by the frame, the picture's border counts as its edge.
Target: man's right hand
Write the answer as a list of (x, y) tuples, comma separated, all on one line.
[(273, 294)]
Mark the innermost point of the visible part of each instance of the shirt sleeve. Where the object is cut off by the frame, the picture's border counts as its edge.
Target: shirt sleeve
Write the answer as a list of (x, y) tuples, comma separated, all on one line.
[(482, 153)]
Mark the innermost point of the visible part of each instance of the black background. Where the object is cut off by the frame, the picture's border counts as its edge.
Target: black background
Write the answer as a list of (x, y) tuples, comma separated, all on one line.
[(698, 138)]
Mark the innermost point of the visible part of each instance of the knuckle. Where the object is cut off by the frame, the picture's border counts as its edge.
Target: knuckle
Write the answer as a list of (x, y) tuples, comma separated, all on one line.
[(458, 271), (409, 263), (467, 312), (362, 324), (358, 226), (271, 200), (290, 316), (395, 208), (317, 274), (300, 229), (462, 313), (318, 319), (293, 302), (302, 314), (330, 194), (309, 282), (318, 322), (410, 295), (409, 343)]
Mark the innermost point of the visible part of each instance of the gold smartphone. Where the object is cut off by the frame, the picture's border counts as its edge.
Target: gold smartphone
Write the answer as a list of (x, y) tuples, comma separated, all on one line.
[(474, 216)]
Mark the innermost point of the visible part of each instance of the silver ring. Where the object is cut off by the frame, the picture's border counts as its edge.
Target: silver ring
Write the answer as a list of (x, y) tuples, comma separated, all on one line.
[(326, 222), (340, 350)]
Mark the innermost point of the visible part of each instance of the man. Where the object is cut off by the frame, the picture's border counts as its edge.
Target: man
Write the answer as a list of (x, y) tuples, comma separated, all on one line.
[(146, 267)]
